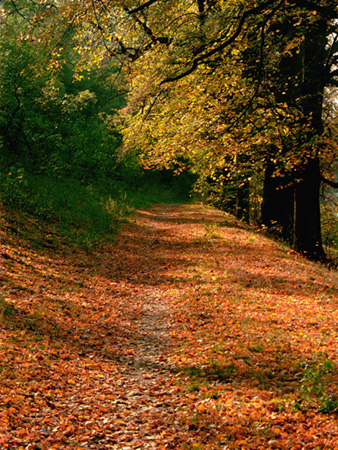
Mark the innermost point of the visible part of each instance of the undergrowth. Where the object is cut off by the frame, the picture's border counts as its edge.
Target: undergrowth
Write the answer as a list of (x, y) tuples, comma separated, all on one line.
[(83, 214)]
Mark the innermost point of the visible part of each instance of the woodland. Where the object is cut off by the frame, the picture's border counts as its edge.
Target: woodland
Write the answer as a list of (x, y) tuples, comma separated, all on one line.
[(169, 224), (239, 97)]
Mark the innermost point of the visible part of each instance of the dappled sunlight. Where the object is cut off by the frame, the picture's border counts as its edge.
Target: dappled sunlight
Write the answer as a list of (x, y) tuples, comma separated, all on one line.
[(223, 337)]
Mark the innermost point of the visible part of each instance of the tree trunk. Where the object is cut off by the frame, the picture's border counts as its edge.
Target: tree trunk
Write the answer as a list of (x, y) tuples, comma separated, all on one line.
[(291, 209), (308, 239), (278, 203), (293, 203), (243, 201)]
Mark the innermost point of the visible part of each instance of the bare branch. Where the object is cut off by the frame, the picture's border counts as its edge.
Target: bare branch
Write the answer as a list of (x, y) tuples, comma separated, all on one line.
[(326, 11), (330, 183), (200, 59), (149, 32), (142, 7), (18, 11), (260, 68)]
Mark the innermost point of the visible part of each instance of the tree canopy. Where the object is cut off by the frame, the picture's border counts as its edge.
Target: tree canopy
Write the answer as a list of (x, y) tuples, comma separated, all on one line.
[(232, 90)]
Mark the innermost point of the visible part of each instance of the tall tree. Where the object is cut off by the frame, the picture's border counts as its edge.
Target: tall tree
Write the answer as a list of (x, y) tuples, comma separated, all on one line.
[(300, 76), (294, 61)]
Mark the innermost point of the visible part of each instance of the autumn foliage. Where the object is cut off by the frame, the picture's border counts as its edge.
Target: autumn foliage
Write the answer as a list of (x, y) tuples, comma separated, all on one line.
[(189, 332)]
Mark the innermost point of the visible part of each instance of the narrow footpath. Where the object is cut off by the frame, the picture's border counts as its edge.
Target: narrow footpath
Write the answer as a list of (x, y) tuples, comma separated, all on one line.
[(190, 331)]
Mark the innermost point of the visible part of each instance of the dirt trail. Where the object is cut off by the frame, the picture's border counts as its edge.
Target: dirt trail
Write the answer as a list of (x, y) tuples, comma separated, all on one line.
[(91, 338), (189, 332)]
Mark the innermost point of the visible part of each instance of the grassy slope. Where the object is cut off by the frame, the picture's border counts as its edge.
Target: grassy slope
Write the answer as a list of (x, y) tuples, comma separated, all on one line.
[(252, 362)]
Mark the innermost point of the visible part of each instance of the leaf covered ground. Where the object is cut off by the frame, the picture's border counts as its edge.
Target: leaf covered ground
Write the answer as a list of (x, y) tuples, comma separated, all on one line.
[(189, 332)]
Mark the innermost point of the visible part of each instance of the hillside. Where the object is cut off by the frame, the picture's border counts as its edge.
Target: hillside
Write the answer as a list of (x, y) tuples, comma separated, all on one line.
[(191, 331)]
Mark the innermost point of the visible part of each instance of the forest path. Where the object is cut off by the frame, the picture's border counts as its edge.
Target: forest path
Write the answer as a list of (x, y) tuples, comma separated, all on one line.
[(190, 331), (85, 338)]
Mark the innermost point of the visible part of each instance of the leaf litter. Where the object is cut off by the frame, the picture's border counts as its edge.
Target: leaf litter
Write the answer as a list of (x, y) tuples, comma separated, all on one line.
[(190, 331)]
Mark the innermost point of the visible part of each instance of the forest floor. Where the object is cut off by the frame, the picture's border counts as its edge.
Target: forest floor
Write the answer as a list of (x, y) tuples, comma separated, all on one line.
[(191, 331)]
